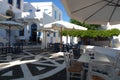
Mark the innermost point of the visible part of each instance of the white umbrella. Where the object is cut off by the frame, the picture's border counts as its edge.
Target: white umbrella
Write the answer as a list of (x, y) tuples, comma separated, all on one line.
[(65, 25), (60, 25), (45, 30), (10, 25), (3, 17), (94, 11)]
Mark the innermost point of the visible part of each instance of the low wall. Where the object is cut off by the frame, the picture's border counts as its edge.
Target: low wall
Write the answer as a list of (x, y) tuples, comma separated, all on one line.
[(103, 50), (100, 43)]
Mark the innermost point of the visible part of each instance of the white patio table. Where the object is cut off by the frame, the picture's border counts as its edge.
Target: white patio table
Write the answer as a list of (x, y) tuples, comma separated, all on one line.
[(85, 58)]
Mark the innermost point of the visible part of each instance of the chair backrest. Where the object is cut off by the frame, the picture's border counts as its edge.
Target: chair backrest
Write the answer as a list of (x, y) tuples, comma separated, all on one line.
[(71, 55), (67, 58), (103, 70), (116, 62)]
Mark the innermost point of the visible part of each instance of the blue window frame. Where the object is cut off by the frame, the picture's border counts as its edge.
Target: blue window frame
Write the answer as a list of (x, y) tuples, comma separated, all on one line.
[(21, 33), (59, 17), (55, 14), (18, 4), (39, 33), (10, 2), (30, 10), (48, 34), (54, 34)]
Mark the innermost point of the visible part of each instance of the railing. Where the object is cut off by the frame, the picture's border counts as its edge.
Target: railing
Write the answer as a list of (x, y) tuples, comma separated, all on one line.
[(3, 38)]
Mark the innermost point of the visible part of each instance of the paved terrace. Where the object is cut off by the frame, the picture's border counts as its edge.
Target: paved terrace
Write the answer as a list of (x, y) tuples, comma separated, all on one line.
[(31, 64)]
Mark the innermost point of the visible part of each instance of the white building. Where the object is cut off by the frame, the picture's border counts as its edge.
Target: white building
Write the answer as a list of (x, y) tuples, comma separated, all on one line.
[(115, 43), (36, 14), (17, 7)]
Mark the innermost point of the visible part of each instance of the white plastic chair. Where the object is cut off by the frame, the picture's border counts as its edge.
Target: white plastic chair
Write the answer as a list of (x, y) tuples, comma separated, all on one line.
[(116, 65), (72, 70), (100, 71)]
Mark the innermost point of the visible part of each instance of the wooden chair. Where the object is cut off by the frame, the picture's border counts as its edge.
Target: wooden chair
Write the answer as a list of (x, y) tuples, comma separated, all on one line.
[(100, 71), (74, 61), (73, 71)]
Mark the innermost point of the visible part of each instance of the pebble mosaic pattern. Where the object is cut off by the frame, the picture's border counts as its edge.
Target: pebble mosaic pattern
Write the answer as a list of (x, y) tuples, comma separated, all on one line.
[(30, 65)]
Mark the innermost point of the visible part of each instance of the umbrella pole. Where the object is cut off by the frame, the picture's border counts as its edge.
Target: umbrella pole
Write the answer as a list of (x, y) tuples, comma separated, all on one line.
[(60, 39), (45, 39), (66, 39), (9, 39)]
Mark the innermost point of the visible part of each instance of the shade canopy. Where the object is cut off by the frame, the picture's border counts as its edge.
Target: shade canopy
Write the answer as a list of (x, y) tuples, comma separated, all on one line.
[(65, 25), (11, 25), (3, 17), (60, 25), (45, 30), (94, 11)]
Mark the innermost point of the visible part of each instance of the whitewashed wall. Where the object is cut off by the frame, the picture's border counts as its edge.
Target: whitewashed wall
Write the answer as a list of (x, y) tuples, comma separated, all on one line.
[(4, 6), (45, 15), (116, 39)]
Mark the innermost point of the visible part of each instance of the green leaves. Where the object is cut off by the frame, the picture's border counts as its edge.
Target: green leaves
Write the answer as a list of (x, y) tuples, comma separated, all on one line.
[(88, 26), (91, 33)]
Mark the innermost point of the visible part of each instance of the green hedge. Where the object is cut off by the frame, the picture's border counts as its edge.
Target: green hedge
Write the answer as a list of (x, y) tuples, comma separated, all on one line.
[(91, 33)]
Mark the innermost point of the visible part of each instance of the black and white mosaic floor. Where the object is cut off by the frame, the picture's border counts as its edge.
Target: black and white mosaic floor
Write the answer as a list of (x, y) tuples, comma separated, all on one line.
[(30, 65)]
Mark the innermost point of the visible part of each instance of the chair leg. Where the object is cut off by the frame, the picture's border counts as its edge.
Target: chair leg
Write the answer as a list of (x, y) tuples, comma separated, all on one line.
[(82, 75), (68, 75)]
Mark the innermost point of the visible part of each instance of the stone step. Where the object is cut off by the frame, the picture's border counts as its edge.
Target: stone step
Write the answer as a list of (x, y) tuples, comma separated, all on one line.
[(31, 47)]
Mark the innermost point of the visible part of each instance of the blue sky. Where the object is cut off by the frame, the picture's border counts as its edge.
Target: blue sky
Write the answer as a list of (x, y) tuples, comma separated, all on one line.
[(57, 3)]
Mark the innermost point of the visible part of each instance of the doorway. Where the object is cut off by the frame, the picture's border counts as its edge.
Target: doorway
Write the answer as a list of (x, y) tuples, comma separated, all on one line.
[(33, 33)]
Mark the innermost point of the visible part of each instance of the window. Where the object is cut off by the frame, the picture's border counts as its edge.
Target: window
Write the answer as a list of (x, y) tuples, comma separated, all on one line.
[(45, 10), (10, 2), (30, 10), (21, 33), (18, 4), (38, 10), (48, 34), (59, 17), (54, 34), (55, 14), (39, 33)]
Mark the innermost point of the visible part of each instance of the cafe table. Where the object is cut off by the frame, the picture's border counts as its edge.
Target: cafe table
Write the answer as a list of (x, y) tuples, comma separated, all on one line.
[(85, 58)]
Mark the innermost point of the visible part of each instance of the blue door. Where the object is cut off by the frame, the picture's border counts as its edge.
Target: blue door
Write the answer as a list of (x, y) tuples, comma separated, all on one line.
[(33, 32)]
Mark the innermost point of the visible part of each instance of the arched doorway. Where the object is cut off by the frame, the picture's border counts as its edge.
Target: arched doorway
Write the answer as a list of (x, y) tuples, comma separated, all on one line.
[(33, 32)]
